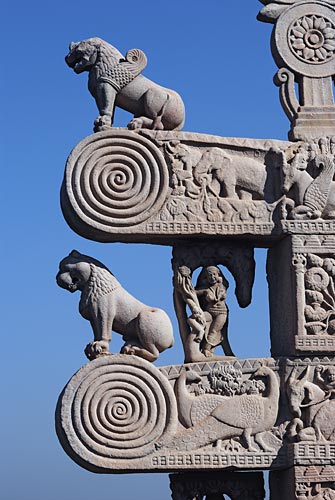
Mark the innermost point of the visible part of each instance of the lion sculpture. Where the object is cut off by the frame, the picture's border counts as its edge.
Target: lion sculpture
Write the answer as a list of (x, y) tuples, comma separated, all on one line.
[(146, 330), (116, 81)]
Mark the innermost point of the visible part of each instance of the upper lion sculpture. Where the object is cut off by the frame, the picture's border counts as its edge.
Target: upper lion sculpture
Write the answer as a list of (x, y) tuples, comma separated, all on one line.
[(146, 330), (116, 81)]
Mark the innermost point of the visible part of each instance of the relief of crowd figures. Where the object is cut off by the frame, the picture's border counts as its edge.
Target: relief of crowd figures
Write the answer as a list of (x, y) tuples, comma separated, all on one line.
[(312, 482), (212, 486)]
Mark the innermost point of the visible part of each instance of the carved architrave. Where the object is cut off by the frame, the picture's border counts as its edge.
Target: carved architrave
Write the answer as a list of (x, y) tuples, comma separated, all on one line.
[(246, 486), (165, 186), (122, 414)]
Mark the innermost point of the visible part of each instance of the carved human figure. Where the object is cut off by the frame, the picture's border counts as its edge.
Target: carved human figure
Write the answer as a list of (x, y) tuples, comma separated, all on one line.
[(211, 289), (325, 376), (207, 325)]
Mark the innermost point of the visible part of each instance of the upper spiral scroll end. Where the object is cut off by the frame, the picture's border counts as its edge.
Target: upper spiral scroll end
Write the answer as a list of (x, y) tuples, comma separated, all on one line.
[(114, 182)]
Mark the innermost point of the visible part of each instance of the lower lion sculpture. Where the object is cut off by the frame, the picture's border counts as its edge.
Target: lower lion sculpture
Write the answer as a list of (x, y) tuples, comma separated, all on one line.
[(116, 81), (146, 330)]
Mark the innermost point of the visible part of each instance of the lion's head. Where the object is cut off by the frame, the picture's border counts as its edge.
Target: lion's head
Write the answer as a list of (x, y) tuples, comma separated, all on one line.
[(75, 271), (83, 55)]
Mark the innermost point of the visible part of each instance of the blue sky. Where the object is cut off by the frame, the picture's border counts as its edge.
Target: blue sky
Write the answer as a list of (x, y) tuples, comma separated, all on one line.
[(217, 56)]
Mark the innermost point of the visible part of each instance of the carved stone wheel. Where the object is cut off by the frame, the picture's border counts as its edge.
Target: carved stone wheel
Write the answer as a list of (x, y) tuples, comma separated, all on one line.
[(115, 407), (304, 38), (115, 179)]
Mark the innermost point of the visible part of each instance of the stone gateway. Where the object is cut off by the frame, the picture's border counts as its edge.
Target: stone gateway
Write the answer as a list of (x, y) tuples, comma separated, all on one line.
[(213, 200)]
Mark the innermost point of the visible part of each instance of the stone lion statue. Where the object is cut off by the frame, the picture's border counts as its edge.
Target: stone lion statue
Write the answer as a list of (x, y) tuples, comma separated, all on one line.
[(116, 81), (146, 330)]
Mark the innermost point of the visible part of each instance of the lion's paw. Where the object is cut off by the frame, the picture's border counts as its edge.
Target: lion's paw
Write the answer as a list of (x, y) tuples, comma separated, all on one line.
[(128, 349), (103, 122), (135, 124), (98, 348)]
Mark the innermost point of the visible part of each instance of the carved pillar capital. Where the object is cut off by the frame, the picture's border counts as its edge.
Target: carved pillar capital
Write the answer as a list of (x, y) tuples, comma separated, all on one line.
[(303, 47)]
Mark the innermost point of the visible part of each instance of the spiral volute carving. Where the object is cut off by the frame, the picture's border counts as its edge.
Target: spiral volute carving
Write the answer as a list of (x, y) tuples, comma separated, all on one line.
[(116, 407), (115, 179)]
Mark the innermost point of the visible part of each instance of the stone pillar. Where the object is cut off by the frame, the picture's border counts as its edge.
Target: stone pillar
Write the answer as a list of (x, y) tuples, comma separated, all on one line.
[(300, 272)]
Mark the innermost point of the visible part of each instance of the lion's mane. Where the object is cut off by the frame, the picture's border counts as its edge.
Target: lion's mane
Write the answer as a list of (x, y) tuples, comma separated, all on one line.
[(108, 55), (101, 282)]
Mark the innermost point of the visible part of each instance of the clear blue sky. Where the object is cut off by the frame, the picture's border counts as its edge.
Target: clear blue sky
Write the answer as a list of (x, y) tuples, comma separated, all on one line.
[(217, 56)]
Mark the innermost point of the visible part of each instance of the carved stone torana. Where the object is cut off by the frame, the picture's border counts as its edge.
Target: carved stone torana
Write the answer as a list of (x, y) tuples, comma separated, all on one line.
[(205, 326), (303, 46), (247, 486), (116, 81), (213, 199), (146, 330)]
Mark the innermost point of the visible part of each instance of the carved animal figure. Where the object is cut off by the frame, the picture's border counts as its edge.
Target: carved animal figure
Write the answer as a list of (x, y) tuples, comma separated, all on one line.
[(240, 177), (310, 405), (192, 409), (116, 81), (147, 331), (314, 198), (247, 415)]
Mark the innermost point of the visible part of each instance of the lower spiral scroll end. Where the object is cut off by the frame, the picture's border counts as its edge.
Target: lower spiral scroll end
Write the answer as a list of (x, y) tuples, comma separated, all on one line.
[(113, 412)]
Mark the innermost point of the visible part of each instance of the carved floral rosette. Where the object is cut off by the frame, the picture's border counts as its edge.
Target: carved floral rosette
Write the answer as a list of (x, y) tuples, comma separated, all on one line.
[(303, 47)]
